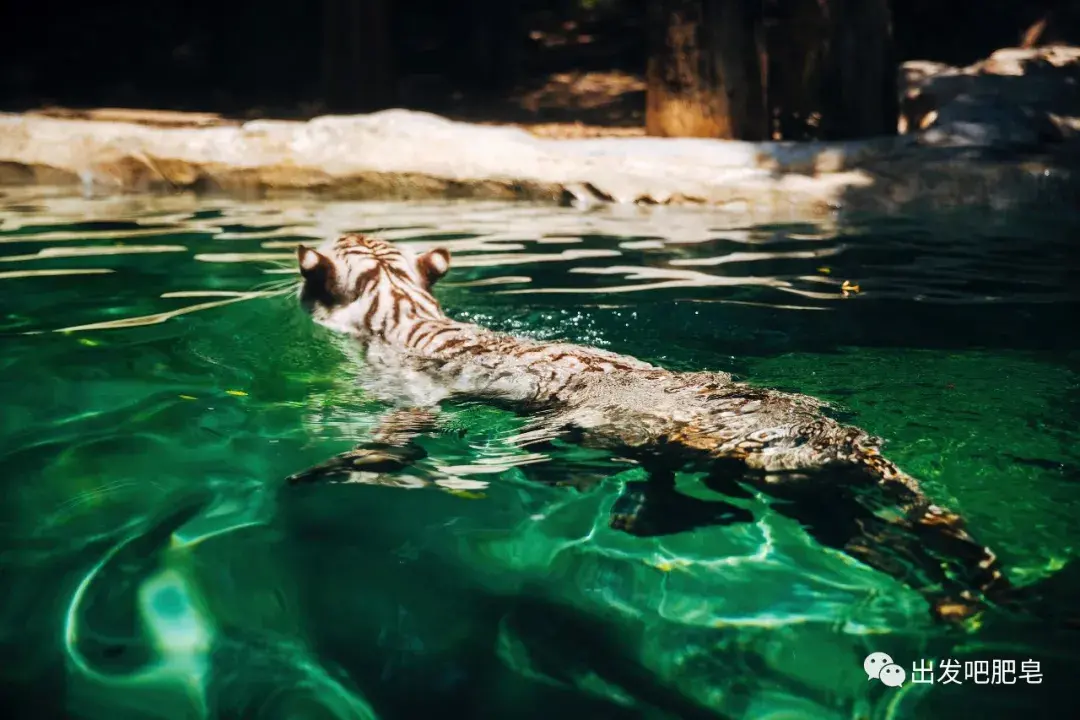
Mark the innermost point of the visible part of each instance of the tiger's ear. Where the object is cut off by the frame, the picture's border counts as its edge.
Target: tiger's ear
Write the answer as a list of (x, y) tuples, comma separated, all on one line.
[(433, 265), (313, 266)]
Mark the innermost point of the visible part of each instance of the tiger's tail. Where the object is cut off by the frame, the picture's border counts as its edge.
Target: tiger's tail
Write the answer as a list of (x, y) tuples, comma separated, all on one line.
[(963, 575), (972, 575)]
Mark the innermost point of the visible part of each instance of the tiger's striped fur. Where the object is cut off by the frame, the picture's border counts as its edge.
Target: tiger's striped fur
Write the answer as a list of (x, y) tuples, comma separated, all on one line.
[(831, 476)]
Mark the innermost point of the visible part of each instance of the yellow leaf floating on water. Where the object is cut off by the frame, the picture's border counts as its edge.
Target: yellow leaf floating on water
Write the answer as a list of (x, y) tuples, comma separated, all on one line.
[(669, 565), (824, 270), (466, 494), (237, 393), (849, 288), (188, 397)]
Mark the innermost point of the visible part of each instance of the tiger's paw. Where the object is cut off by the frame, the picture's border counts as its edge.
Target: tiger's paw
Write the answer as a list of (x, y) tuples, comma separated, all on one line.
[(367, 458)]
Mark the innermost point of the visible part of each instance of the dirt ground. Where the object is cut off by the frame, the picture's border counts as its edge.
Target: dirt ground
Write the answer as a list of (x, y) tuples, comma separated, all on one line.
[(566, 105), (571, 104)]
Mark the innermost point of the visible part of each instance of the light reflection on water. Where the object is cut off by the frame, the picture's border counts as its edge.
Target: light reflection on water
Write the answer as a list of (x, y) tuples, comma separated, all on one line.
[(154, 404)]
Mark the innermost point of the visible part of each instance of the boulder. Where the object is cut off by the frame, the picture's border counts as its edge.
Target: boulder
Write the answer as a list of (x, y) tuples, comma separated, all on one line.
[(1017, 98), (997, 133)]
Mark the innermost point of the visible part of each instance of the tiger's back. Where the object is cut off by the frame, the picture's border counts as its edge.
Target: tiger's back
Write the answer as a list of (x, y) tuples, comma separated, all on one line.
[(837, 481)]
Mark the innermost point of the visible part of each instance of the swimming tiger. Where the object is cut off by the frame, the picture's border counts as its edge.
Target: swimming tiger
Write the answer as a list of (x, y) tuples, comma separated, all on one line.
[(745, 440)]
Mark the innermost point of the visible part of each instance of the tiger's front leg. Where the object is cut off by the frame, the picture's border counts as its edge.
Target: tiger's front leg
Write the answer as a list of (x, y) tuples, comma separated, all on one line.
[(391, 448)]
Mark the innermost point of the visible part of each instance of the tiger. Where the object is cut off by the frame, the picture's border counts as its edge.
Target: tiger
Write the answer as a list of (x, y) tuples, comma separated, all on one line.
[(746, 441)]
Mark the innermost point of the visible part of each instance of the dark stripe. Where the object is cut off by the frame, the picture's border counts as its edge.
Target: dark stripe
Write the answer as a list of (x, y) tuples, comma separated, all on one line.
[(420, 338), (455, 343), (428, 333), (400, 299), (370, 314), (437, 333), (413, 331), (365, 277)]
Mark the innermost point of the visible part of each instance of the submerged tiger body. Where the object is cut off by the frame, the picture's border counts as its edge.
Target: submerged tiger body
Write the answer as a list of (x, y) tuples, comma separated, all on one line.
[(830, 476)]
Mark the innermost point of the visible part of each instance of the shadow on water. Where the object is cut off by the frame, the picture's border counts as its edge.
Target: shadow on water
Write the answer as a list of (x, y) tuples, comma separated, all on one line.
[(159, 382), (440, 635)]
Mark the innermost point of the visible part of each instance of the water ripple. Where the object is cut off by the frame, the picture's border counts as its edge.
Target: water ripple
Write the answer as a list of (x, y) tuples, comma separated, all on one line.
[(694, 253)]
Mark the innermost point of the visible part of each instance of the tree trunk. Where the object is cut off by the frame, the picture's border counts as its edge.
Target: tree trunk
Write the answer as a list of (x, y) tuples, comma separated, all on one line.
[(705, 74), (359, 73), (859, 70), (796, 37)]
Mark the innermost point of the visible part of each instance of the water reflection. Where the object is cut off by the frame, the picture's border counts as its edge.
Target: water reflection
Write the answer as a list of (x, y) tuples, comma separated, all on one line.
[(152, 407), (142, 640), (697, 253)]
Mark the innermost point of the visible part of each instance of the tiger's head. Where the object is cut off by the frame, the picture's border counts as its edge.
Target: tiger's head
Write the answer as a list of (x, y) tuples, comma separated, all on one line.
[(368, 288)]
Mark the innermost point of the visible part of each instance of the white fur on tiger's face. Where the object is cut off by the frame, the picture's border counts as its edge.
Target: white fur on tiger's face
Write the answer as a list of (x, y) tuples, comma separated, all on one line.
[(368, 288)]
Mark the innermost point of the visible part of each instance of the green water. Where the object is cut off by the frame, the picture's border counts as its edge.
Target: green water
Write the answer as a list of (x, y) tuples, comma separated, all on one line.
[(155, 396)]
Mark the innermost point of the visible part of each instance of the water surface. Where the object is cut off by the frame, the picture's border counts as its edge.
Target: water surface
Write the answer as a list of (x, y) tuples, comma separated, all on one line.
[(159, 382)]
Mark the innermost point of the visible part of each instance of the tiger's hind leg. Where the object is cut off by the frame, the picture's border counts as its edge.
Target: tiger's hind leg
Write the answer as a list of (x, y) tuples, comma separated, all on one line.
[(644, 508), (654, 507), (391, 448)]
